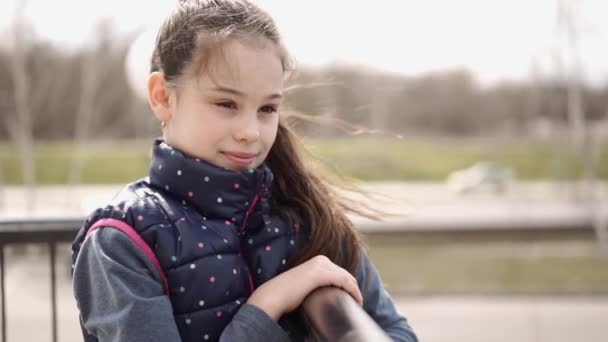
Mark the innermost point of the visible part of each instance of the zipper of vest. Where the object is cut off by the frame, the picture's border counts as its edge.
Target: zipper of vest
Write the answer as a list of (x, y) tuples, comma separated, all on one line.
[(242, 231), (251, 286), (253, 203)]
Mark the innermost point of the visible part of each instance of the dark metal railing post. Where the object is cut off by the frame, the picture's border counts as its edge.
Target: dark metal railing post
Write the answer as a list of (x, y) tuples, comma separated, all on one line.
[(3, 297), (53, 292), (333, 315)]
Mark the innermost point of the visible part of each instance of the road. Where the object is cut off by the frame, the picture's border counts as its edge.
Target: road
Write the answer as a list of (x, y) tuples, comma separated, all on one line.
[(420, 205)]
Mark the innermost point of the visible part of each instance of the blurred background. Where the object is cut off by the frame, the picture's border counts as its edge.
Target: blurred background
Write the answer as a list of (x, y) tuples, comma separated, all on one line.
[(483, 125)]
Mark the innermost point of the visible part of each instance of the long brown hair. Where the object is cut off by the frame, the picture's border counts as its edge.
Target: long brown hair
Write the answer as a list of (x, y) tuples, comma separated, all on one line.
[(303, 188), (187, 38)]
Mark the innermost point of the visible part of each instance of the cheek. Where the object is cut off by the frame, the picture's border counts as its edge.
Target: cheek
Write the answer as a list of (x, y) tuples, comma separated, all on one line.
[(201, 131), (270, 132), (205, 124)]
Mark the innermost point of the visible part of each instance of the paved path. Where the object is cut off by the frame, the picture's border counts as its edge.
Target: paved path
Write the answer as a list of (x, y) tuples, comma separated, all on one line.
[(508, 319)]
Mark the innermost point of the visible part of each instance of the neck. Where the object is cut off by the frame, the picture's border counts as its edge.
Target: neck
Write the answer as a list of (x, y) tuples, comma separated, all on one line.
[(213, 191)]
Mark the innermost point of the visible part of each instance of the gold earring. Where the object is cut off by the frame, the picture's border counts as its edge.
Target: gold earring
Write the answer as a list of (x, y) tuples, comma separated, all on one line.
[(163, 124)]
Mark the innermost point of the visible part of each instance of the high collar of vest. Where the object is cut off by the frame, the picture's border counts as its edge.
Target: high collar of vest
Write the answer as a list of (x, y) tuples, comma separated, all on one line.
[(214, 191)]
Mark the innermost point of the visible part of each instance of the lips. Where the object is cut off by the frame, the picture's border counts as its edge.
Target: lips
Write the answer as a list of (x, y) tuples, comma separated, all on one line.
[(240, 158)]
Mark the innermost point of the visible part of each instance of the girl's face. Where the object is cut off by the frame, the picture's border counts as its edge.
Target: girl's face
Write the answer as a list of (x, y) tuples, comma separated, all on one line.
[(228, 115)]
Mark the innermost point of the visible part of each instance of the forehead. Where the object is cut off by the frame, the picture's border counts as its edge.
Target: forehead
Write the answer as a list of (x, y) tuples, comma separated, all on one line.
[(254, 68)]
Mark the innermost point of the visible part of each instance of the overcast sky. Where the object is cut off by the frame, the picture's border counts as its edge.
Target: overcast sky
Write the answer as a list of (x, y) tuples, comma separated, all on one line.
[(497, 39)]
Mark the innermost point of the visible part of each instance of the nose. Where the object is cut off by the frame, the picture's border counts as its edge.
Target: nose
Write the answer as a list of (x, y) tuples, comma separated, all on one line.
[(247, 129)]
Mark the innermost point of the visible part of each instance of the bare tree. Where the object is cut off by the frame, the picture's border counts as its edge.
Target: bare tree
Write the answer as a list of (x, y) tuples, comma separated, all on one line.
[(20, 124), (100, 89), (568, 22), (84, 113)]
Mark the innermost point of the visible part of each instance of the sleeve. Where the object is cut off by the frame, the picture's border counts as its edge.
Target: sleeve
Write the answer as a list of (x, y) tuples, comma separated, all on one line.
[(251, 323), (121, 298), (379, 304), (119, 292)]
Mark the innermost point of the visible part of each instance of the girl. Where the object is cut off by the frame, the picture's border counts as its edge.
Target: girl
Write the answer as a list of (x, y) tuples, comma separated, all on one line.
[(230, 231)]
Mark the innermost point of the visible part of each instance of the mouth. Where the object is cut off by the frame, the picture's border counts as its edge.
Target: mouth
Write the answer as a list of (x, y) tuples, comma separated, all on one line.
[(239, 158)]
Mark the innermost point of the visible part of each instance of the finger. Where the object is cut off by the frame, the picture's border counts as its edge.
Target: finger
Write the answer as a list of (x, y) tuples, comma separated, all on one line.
[(332, 274), (349, 284), (355, 290), (356, 294)]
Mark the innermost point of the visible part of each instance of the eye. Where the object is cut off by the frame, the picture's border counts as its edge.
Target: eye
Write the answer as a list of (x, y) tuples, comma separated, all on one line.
[(268, 109), (226, 104)]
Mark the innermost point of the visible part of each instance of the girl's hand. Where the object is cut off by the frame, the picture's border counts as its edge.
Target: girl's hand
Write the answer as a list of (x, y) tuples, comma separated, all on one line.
[(285, 292)]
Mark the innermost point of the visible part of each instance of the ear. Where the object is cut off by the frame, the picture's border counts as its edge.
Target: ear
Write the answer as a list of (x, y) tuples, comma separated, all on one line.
[(159, 96)]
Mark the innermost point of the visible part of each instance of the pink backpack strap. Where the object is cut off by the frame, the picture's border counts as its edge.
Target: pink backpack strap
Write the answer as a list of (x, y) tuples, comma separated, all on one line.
[(139, 241)]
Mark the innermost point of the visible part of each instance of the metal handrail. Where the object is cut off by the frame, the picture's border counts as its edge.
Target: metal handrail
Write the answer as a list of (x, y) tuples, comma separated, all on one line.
[(39, 230), (333, 315)]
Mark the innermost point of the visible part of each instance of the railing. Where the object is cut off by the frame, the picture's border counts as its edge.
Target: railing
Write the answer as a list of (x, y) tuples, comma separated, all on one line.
[(50, 232), (331, 313)]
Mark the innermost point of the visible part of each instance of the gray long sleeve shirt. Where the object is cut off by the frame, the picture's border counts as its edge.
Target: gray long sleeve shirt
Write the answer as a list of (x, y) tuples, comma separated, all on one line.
[(120, 296)]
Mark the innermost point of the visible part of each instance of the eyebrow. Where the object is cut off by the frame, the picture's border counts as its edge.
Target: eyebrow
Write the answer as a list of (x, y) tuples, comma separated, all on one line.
[(241, 94)]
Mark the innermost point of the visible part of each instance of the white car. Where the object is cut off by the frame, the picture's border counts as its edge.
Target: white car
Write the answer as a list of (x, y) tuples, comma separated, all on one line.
[(481, 176)]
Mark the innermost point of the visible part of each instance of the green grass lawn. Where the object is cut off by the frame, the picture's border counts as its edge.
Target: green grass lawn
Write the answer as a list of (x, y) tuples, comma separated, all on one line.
[(425, 160), (569, 266), (364, 158)]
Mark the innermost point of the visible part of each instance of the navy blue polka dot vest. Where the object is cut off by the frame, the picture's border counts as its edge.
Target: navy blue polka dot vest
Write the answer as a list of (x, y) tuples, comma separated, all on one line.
[(210, 232)]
